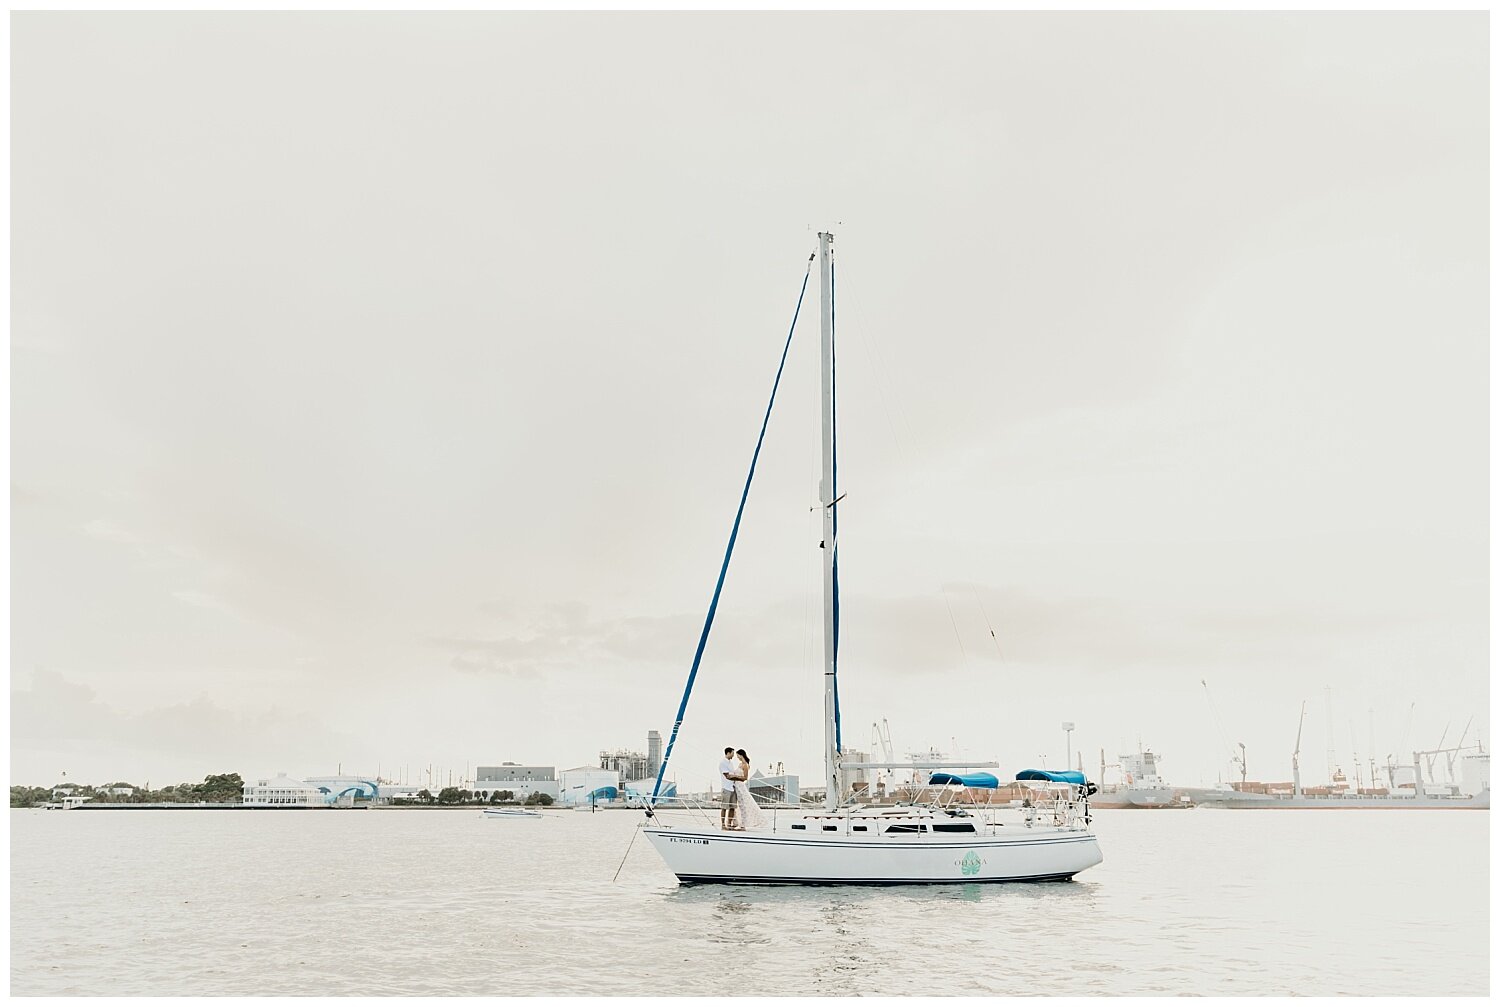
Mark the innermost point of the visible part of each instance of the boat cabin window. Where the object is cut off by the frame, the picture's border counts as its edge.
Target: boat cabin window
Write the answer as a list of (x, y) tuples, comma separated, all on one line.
[(803, 827), (861, 828), (954, 827), (894, 827), (830, 828)]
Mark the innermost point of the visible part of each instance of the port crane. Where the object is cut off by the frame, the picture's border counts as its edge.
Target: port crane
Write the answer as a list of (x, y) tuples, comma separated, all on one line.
[(1437, 751), (1451, 753), (1102, 766), (880, 746), (1234, 759), (1454, 755), (1296, 769)]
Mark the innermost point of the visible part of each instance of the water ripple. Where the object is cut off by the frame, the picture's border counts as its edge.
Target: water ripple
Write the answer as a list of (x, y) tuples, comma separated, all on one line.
[(449, 903)]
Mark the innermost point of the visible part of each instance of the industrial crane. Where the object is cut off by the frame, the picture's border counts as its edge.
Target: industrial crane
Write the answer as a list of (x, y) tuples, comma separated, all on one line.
[(1453, 755), (881, 742), (1439, 749), (1296, 769), (1223, 736), (880, 745)]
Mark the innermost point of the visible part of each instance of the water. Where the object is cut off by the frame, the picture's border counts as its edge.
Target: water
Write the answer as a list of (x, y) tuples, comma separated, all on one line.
[(450, 902)]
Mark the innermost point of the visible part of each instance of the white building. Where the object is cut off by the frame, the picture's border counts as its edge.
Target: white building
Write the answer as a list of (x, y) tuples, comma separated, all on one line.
[(521, 781), (854, 781), (283, 792), (584, 785), (346, 789), (637, 793), (782, 789), (400, 791)]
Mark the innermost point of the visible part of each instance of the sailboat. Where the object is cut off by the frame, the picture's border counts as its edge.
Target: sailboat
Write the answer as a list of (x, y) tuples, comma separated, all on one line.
[(950, 839)]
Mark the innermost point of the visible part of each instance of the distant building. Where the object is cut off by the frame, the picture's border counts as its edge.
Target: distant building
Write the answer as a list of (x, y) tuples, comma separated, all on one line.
[(346, 789), (638, 792), (653, 753), (585, 785), (779, 789), (399, 791), (511, 772), (857, 783), (119, 791), (629, 764), (521, 781), (283, 791), (635, 766)]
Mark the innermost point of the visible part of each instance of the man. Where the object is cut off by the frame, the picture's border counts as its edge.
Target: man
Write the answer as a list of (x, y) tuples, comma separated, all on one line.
[(727, 771)]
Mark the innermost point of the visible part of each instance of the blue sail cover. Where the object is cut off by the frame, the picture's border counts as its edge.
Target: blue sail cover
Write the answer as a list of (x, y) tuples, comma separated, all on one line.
[(983, 781), (1069, 776)]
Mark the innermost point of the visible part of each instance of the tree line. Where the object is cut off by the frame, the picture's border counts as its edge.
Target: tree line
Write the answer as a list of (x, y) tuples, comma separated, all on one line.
[(457, 795), (223, 788), (229, 788)]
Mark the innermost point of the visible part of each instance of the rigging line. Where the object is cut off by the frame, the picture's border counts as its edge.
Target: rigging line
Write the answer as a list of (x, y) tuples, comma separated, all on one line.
[(811, 661), (987, 624), (627, 854), (812, 607), (734, 533), (956, 635)]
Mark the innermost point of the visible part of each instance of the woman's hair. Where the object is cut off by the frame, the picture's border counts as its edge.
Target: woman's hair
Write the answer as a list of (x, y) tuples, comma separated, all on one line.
[(741, 753)]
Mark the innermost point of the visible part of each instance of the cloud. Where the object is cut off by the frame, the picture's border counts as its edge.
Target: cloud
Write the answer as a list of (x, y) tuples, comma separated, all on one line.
[(200, 599), (961, 625), (67, 719), (564, 636), (109, 532)]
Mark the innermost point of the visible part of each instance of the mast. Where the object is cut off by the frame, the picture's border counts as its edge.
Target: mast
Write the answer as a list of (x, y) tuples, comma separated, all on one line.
[(826, 498)]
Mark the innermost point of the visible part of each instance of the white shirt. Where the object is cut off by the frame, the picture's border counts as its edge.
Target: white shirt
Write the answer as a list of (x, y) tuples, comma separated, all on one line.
[(725, 766)]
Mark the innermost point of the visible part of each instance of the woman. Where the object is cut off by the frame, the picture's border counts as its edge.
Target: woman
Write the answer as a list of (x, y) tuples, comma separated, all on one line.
[(747, 813)]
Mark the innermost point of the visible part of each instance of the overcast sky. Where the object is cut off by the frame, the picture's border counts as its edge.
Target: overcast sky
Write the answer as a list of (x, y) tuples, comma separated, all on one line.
[(383, 386)]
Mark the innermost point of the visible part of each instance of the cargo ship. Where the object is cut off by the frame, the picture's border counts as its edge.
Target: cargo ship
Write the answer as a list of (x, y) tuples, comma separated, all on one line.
[(1140, 786), (1473, 794), (1410, 792)]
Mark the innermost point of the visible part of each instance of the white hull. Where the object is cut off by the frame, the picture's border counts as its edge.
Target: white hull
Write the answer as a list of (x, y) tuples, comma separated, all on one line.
[(699, 856)]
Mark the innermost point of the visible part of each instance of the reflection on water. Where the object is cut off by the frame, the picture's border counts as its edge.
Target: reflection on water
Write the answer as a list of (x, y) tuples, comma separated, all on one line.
[(1214, 902), (847, 897)]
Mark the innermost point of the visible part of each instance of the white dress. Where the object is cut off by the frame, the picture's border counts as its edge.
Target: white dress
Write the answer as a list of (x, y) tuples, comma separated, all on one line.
[(747, 813)]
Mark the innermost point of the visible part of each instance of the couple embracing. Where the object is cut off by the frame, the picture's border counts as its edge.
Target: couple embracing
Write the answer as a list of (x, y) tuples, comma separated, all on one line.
[(737, 808)]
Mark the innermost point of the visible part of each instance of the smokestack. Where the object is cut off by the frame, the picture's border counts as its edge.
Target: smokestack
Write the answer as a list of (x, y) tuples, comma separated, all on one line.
[(653, 753)]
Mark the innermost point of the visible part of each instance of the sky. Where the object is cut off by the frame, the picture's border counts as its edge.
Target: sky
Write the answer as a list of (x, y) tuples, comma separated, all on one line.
[(383, 386)]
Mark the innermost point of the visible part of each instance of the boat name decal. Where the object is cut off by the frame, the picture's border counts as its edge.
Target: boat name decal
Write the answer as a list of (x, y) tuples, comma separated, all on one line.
[(970, 864)]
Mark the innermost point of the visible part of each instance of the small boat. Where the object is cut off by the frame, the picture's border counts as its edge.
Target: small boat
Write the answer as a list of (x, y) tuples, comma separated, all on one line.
[(511, 813)]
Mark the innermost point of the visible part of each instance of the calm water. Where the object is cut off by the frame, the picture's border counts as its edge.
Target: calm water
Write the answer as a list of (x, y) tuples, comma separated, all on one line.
[(429, 902)]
